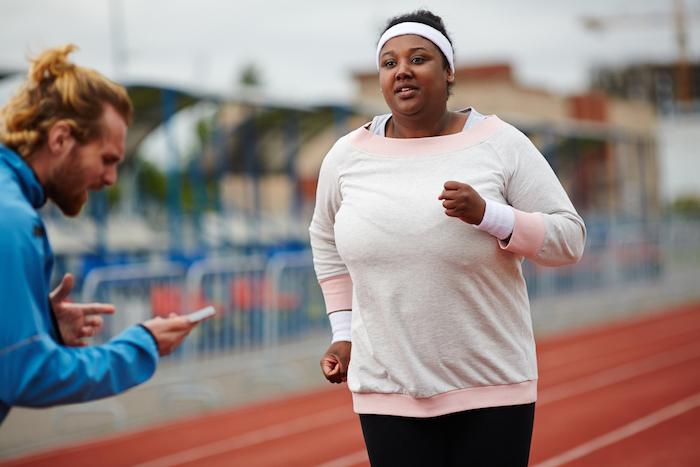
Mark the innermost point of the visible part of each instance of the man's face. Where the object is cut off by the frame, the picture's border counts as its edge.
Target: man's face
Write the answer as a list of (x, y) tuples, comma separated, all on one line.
[(87, 167)]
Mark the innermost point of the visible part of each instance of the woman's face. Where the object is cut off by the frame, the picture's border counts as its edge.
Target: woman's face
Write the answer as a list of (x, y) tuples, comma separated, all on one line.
[(412, 75)]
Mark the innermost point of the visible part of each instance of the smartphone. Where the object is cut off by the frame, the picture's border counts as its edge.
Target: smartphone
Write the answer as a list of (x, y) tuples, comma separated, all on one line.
[(200, 315)]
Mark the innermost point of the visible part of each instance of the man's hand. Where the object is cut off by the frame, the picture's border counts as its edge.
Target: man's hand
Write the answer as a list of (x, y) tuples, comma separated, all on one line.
[(169, 332), (335, 362), (76, 320), (462, 201)]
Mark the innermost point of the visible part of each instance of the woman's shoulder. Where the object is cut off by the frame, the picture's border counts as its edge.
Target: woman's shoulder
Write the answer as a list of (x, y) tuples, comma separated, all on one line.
[(343, 147), (502, 131), (512, 144)]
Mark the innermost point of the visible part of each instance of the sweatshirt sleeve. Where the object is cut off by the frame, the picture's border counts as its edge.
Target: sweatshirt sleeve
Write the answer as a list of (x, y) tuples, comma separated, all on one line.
[(34, 369), (547, 228), (331, 271)]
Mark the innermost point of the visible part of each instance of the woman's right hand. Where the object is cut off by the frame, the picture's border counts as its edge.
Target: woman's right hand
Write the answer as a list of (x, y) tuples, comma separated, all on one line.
[(335, 362)]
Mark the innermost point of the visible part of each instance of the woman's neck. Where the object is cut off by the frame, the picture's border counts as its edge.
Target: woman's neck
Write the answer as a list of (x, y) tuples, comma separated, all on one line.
[(445, 124)]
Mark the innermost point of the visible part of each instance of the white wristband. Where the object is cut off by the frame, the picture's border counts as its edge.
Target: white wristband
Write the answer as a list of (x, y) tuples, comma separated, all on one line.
[(340, 325), (499, 219)]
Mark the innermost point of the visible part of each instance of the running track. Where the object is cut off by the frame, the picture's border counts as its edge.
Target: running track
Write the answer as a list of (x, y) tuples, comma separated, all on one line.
[(624, 394)]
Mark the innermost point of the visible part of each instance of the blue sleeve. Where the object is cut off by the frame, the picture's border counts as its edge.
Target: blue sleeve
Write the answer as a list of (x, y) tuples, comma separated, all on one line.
[(35, 370), (38, 372)]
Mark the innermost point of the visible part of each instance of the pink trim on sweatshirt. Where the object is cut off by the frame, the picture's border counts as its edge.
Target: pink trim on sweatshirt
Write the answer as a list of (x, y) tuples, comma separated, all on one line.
[(367, 141), (337, 292), (445, 403), (528, 234)]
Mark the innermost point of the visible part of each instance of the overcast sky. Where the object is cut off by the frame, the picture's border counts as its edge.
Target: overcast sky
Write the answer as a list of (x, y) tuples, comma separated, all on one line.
[(307, 50)]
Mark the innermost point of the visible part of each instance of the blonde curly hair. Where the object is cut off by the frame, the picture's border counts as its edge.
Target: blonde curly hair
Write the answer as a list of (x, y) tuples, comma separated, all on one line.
[(57, 89)]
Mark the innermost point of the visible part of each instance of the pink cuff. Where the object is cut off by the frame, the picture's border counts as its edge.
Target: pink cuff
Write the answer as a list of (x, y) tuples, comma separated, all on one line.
[(528, 234), (337, 292)]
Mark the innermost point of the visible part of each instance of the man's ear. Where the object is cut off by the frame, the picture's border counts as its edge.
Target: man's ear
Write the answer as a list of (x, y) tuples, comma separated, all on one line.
[(60, 138)]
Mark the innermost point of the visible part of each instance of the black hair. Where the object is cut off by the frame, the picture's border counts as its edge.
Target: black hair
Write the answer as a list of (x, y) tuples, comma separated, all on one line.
[(426, 17)]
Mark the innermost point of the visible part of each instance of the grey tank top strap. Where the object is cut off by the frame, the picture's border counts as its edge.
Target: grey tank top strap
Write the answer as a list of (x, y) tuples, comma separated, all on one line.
[(378, 126)]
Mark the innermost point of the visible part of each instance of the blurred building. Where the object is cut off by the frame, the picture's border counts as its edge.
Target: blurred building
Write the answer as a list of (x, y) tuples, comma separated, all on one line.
[(252, 179), (668, 87), (674, 90), (603, 148)]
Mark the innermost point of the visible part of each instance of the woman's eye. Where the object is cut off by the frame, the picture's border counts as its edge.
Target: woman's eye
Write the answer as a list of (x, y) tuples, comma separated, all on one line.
[(417, 60), (389, 63)]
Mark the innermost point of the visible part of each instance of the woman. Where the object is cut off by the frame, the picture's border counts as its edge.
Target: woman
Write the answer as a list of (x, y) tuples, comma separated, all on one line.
[(421, 223)]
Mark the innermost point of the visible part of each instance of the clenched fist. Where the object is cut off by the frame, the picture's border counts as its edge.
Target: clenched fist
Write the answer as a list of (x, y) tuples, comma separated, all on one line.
[(462, 201), (335, 362)]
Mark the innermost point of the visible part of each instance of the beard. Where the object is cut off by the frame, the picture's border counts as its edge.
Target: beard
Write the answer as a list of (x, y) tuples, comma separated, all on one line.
[(70, 204), (66, 188)]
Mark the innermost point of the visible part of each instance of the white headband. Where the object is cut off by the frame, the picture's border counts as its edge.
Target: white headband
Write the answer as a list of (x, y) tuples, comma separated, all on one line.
[(419, 29)]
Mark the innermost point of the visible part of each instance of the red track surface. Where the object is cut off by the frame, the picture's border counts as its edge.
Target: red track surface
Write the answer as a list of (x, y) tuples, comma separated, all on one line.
[(624, 394)]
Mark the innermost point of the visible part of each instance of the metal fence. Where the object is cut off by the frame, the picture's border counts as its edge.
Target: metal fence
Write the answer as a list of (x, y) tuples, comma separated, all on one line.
[(265, 301), (620, 254), (138, 291), (614, 255), (262, 301)]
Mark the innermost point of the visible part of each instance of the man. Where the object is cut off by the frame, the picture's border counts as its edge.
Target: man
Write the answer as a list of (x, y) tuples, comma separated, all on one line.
[(62, 135)]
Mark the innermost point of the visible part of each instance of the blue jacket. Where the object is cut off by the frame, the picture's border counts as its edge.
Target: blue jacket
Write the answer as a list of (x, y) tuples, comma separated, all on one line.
[(35, 369)]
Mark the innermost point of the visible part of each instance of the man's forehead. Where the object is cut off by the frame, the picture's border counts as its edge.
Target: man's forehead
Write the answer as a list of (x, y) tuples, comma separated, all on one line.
[(115, 128)]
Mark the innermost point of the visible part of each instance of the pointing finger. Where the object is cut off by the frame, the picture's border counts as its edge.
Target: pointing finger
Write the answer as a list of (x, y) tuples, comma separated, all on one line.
[(61, 292), (95, 308)]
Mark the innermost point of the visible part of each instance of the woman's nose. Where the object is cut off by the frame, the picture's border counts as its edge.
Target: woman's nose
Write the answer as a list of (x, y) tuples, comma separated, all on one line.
[(403, 69)]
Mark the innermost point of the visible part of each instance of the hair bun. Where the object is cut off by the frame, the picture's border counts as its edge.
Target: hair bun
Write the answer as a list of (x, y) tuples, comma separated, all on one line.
[(51, 64)]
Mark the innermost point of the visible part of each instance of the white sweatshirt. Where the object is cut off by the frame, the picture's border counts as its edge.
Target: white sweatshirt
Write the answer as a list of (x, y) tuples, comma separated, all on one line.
[(440, 313)]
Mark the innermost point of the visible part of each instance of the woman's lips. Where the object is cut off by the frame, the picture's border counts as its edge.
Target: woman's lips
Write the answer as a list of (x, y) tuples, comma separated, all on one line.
[(405, 92)]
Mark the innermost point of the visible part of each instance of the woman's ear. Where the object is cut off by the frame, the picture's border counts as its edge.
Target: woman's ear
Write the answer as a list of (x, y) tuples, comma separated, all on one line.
[(450, 76)]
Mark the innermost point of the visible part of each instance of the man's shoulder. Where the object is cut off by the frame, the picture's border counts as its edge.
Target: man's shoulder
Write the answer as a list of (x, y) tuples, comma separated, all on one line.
[(16, 208), (17, 213)]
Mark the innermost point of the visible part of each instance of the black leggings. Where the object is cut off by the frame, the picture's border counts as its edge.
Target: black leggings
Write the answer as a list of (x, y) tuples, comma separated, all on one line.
[(492, 437)]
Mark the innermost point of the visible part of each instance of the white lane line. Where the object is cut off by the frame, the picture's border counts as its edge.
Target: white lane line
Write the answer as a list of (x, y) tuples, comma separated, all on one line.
[(358, 457), (623, 432), (618, 374), (280, 430), (662, 331), (336, 415), (585, 384)]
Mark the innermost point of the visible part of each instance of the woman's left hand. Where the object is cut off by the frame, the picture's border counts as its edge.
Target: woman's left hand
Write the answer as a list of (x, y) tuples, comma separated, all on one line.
[(335, 362), (462, 201)]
